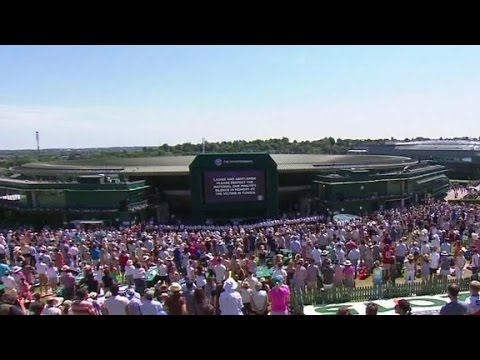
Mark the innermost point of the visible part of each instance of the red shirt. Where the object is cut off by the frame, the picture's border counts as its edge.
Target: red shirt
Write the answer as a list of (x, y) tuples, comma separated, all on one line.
[(122, 260), (388, 257), (59, 261)]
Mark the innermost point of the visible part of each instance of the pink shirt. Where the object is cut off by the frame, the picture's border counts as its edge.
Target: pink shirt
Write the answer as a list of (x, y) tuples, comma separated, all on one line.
[(338, 274), (279, 298), (349, 272)]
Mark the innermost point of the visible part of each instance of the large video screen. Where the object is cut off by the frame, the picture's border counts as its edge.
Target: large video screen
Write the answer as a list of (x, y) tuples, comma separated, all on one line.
[(234, 186)]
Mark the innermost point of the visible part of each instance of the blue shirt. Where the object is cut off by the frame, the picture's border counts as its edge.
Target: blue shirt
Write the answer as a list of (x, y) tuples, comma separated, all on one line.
[(453, 308), (3, 269), (95, 254)]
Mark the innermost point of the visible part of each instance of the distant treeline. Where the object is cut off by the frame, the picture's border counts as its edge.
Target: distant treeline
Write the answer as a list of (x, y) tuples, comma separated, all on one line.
[(275, 146)]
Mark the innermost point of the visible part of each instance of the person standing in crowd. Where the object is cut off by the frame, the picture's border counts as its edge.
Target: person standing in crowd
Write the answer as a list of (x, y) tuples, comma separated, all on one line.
[(434, 262), (354, 257), (401, 251), (175, 303), (425, 268), (11, 305), (475, 264), (299, 278), (36, 306), (259, 300), (371, 309), (279, 297), (454, 307), (410, 269), (230, 301), (460, 263), (41, 268), (188, 294), (473, 302), (150, 306), (344, 311), (444, 266), (200, 304), (115, 304), (81, 306), (69, 284), (402, 307), (134, 302), (377, 280), (313, 274), (140, 278), (52, 278), (246, 293), (9, 281), (51, 308), (388, 262), (327, 275)]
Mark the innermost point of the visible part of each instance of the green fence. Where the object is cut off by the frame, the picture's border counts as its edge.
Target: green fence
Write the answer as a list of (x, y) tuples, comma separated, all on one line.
[(343, 294)]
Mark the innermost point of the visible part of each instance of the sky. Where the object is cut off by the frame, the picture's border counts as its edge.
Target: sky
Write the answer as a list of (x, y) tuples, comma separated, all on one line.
[(103, 96)]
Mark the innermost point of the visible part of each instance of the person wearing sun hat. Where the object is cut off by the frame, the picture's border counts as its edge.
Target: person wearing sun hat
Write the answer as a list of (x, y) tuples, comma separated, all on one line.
[(410, 269), (51, 308), (348, 274), (135, 302), (176, 303), (230, 300)]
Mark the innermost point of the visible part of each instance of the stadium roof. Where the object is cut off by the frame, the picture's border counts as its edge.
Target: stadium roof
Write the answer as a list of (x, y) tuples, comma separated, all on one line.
[(179, 165)]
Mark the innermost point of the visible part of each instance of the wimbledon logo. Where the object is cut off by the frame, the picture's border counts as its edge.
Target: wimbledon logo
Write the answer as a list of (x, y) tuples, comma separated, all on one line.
[(218, 162), (421, 305)]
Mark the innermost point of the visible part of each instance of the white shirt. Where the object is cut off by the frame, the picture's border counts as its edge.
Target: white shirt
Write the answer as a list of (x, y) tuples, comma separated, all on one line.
[(9, 282), (473, 305), (245, 293), (162, 270), (200, 281), (252, 281), (434, 260), (190, 272), (73, 251), (149, 245), (41, 268), (410, 266), (129, 270), (220, 271), (230, 303), (52, 273), (425, 249), (2, 249), (317, 255), (259, 298), (279, 272), (116, 305), (139, 273), (476, 260), (51, 311), (354, 254)]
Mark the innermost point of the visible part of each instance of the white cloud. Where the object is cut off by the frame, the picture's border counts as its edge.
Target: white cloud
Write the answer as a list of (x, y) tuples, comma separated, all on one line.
[(399, 116)]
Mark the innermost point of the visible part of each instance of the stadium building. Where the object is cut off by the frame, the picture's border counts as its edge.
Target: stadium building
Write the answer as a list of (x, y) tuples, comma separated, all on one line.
[(460, 157), (241, 186)]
